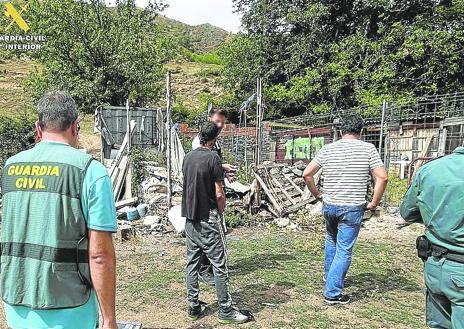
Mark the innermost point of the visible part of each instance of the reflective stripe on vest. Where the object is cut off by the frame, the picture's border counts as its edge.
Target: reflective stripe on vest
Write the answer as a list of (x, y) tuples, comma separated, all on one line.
[(44, 253)]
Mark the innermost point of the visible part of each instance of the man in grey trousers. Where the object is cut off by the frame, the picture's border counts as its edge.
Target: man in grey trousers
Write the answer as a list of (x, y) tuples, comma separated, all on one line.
[(203, 203)]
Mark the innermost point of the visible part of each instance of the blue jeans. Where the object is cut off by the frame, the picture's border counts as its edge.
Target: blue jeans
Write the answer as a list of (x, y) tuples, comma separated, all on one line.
[(343, 224)]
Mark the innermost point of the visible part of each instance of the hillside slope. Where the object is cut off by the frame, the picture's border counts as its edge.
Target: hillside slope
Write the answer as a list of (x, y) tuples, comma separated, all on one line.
[(12, 97), (202, 38), (193, 82)]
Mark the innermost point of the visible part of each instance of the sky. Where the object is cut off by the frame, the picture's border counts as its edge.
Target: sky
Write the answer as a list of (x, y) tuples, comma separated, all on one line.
[(194, 12)]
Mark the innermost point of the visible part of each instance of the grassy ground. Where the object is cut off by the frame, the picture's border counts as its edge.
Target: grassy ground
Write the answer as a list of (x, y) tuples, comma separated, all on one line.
[(277, 275), (396, 189)]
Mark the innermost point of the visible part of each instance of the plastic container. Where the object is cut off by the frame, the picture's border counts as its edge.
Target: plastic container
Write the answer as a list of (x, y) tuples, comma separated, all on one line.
[(142, 209), (132, 214)]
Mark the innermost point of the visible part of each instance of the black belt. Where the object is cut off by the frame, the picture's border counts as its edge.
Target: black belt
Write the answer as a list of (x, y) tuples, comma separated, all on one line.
[(44, 253), (442, 252)]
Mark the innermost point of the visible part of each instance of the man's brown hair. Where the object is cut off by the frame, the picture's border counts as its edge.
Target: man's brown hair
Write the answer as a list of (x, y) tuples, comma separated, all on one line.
[(223, 112)]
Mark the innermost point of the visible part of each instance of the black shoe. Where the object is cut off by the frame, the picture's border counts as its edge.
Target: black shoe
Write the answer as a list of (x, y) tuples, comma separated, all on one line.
[(194, 313), (339, 300), (207, 278)]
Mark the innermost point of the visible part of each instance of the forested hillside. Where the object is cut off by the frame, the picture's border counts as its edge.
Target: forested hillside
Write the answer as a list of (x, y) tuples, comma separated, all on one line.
[(314, 56), (323, 55)]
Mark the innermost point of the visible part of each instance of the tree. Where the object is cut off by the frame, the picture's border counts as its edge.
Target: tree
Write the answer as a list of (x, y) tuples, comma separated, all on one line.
[(322, 55), (16, 134), (100, 54)]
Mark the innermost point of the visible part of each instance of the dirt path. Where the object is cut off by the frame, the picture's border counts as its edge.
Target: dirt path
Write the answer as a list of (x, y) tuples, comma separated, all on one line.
[(278, 297), (277, 275)]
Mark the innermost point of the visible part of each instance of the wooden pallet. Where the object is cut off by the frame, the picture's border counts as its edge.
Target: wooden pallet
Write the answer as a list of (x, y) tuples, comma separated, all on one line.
[(285, 195)]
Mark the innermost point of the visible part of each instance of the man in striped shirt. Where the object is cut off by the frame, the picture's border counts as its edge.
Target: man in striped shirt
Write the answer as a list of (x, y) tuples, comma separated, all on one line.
[(346, 167)]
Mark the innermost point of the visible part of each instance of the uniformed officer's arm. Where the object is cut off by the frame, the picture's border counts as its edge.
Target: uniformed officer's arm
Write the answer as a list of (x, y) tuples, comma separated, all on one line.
[(409, 209), (102, 261), (100, 214)]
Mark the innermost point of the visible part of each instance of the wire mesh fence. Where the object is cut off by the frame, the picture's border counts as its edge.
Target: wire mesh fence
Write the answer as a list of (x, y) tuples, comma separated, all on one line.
[(431, 126)]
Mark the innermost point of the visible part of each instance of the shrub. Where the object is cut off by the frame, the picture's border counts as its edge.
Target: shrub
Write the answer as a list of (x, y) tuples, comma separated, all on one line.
[(207, 58), (181, 113), (16, 134), (235, 219), (186, 142)]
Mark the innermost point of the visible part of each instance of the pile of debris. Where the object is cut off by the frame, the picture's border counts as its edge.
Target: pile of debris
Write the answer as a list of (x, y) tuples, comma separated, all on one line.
[(134, 217), (283, 187), (148, 213)]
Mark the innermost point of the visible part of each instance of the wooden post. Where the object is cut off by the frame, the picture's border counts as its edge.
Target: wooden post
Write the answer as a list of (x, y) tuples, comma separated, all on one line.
[(102, 153), (257, 123), (246, 145), (128, 118), (259, 118), (443, 132), (259, 98), (293, 149), (386, 160), (168, 128), (128, 187), (382, 123)]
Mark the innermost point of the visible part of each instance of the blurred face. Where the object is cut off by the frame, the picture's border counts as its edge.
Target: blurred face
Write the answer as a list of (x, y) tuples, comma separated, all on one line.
[(219, 120)]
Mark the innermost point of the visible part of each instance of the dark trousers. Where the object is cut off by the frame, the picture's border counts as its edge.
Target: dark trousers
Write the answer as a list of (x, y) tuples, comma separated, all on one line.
[(207, 237), (205, 265)]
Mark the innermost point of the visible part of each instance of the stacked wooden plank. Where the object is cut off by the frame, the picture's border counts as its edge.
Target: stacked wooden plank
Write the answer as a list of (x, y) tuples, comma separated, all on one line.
[(120, 166), (284, 188)]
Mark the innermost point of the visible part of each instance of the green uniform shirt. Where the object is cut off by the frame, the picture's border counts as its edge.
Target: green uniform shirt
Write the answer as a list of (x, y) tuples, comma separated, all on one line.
[(436, 197), (100, 215)]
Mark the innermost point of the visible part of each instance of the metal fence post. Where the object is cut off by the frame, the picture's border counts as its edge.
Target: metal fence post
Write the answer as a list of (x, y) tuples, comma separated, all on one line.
[(169, 137)]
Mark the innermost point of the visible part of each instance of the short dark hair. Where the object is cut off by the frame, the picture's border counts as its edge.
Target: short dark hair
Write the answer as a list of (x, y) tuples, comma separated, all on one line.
[(223, 112), (57, 111), (352, 124), (208, 132)]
